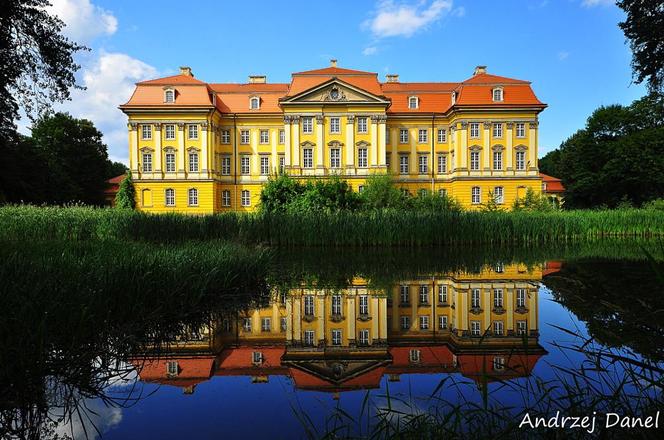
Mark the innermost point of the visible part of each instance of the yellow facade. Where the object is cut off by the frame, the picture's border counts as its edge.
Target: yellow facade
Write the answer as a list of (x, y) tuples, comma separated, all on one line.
[(458, 150)]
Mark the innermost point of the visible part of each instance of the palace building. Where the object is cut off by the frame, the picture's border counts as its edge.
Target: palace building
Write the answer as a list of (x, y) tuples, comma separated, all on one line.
[(198, 147)]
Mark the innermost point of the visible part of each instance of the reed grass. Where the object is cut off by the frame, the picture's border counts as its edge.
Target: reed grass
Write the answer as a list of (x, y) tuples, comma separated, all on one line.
[(378, 228)]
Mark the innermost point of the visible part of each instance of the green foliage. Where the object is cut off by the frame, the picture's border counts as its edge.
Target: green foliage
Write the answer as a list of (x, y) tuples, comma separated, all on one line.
[(618, 156), (533, 202), (433, 203), (656, 205), (643, 28), (114, 169), (284, 194), (380, 192), (491, 205), (126, 196)]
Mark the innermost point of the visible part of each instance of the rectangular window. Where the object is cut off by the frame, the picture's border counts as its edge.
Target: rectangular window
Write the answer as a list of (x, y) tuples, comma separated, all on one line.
[(521, 328), (172, 368), (225, 136), (424, 322), (245, 198), (335, 126), (442, 192), (497, 130), (170, 132), (498, 328), (246, 324), (442, 322), (362, 125), (193, 162), (475, 130), (405, 294), (193, 131), (388, 159), (265, 136), (414, 356), (520, 160), (422, 135), (364, 337), (147, 162), (284, 324), (474, 160), (497, 160), (475, 195), (364, 305), (308, 305), (170, 162), (266, 324), (265, 165), (403, 136), (309, 338), (335, 157), (244, 165), (307, 158), (225, 198), (499, 195), (405, 322), (403, 164), (442, 164), (282, 164), (387, 135), (282, 137), (226, 165), (193, 197), (336, 337), (475, 299), (442, 294), (475, 328), (170, 197), (362, 157), (244, 137), (423, 162), (336, 304), (424, 294), (498, 298), (498, 363), (307, 125), (520, 130), (521, 297), (442, 135), (146, 132)]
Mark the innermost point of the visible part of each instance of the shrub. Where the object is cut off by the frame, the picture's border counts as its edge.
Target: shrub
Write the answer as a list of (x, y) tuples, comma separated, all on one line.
[(380, 192), (654, 205), (435, 203), (126, 196), (533, 202)]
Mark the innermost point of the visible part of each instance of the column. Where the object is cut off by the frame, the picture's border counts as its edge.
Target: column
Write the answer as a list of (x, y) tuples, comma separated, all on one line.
[(464, 309), (350, 141), (256, 322), (394, 139), (254, 161), (297, 318), (287, 141), (180, 155), (320, 143), (509, 325), (463, 146), (487, 306), (276, 323), (204, 149), (296, 141), (374, 150), (456, 301), (320, 316), (487, 146), (532, 309), (157, 148), (382, 316), (381, 140), (274, 158), (375, 316), (289, 320), (350, 304), (133, 148), (532, 146), (509, 153)]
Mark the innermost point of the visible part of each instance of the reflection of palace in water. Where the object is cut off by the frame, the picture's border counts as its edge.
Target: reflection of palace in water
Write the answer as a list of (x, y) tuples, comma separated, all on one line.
[(481, 325)]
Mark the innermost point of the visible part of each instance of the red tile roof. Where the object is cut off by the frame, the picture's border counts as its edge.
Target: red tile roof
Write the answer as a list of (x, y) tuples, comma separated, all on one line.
[(333, 71), (172, 80), (553, 184)]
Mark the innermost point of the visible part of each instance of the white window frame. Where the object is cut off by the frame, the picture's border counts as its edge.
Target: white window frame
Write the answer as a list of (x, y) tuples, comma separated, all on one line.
[(246, 324), (363, 337), (403, 135), (474, 130), (521, 297), (283, 324), (172, 368), (335, 157), (521, 129), (335, 125), (364, 304), (307, 157), (423, 164), (498, 363), (336, 304), (309, 305), (147, 162), (226, 198), (442, 322), (192, 131), (415, 356), (192, 197), (442, 135), (522, 327), (169, 96), (404, 294), (362, 126), (266, 324), (169, 197), (169, 159), (442, 294), (474, 160), (424, 294), (499, 195), (498, 328), (362, 157), (404, 322), (282, 137), (520, 160), (498, 298), (245, 197), (307, 124), (264, 136), (422, 136), (497, 131), (245, 165), (265, 165), (193, 161), (403, 164), (282, 164), (309, 338), (497, 94), (424, 322), (498, 160), (337, 337), (476, 298), (225, 136), (475, 195), (413, 102), (442, 164), (169, 132), (245, 137), (225, 165), (475, 328), (146, 132), (256, 357), (254, 103), (442, 192)]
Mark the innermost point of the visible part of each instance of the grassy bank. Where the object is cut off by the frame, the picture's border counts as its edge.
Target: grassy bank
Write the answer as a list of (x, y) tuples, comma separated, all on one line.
[(343, 228)]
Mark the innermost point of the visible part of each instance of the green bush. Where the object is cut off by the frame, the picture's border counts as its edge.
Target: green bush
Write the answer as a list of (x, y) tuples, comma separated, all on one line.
[(380, 192), (654, 205), (533, 202), (126, 196), (284, 194)]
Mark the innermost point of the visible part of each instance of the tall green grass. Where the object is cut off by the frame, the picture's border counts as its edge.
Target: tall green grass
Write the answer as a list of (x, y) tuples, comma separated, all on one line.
[(368, 229)]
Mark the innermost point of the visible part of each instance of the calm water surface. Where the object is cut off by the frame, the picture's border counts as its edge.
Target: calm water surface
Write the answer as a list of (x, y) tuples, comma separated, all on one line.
[(362, 344)]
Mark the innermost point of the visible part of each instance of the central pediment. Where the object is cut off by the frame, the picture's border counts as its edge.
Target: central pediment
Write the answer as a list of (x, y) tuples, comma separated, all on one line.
[(335, 91)]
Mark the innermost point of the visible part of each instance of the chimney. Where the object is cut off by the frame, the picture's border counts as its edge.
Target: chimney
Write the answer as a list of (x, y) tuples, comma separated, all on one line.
[(392, 78), (257, 79), (185, 70), (479, 70), (333, 63)]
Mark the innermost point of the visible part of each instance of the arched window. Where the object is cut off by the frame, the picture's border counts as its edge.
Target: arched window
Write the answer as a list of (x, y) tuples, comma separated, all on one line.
[(170, 197), (413, 102), (169, 95), (193, 162), (498, 94), (193, 197), (254, 103)]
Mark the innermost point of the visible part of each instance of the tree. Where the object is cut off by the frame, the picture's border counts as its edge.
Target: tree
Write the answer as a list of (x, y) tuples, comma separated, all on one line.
[(37, 62), (380, 192), (115, 169), (126, 196), (76, 157), (644, 28)]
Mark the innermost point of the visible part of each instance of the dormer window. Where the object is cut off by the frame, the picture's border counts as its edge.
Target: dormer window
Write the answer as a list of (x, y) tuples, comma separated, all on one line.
[(254, 103), (169, 96), (454, 97), (497, 94), (413, 102)]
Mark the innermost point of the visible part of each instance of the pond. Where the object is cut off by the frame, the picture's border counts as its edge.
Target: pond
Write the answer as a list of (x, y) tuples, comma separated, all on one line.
[(472, 342)]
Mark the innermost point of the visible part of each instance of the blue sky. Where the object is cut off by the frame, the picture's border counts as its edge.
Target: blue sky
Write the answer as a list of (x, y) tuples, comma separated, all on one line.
[(572, 50)]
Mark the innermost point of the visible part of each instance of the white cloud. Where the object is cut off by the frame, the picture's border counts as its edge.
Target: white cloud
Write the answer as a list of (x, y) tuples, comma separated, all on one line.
[(562, 55), (369, 50), (459, 12), (592, 3), (109, 81), (84, 21), (392, 19)]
